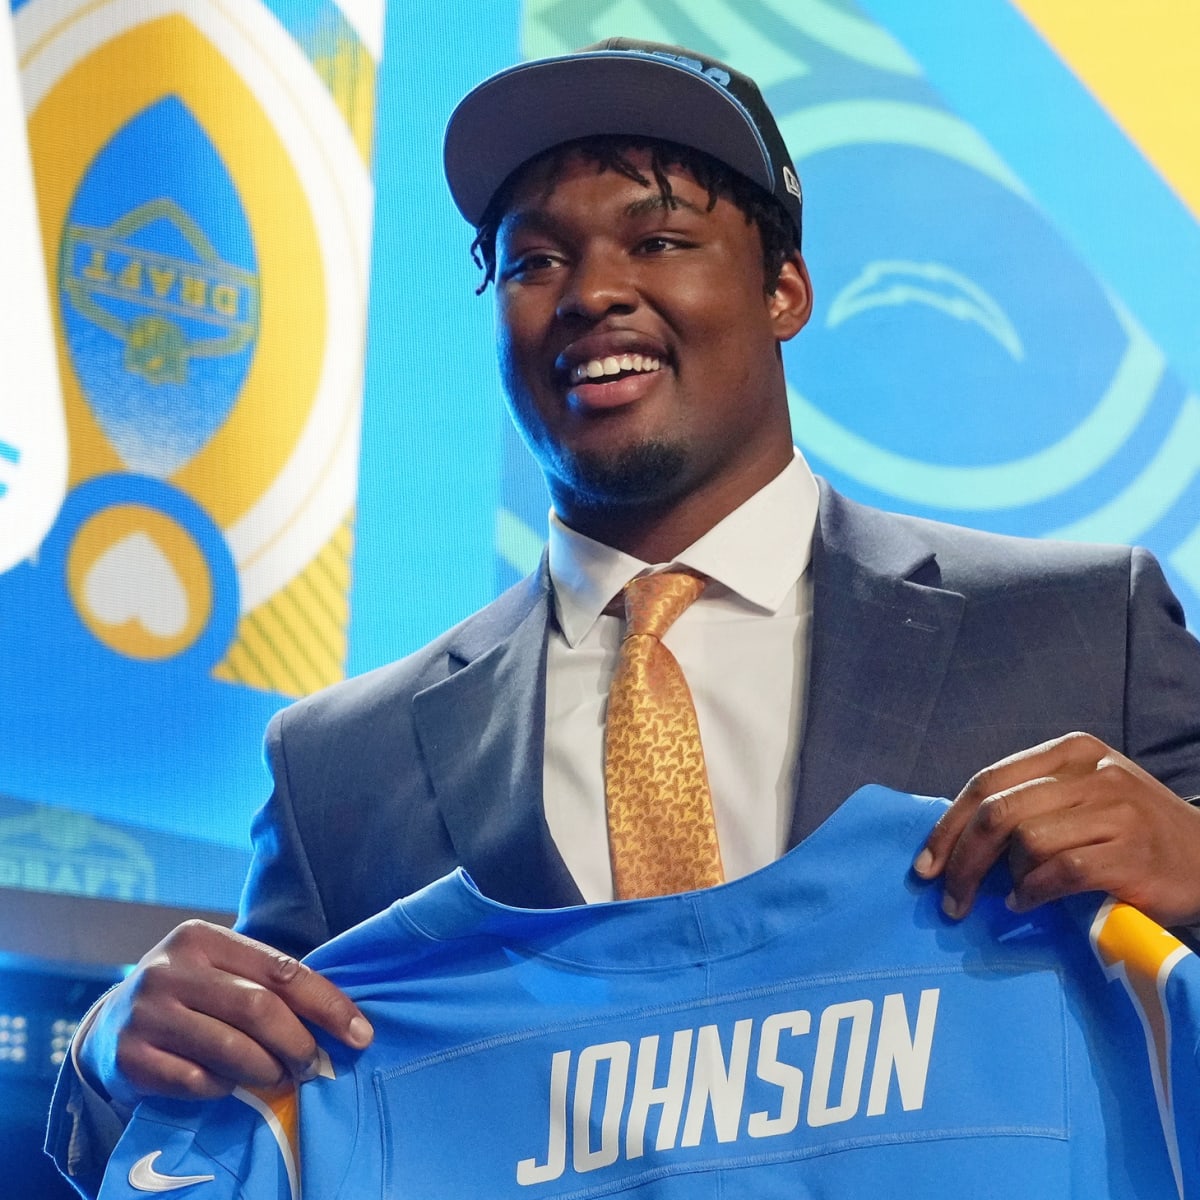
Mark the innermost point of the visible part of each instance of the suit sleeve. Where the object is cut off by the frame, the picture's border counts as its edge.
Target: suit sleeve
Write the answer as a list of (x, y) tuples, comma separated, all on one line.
[(1162, 681), (281, 904), (82, 1126)]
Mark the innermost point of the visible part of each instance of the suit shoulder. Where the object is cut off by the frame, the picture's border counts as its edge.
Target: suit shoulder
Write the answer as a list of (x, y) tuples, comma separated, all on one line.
[(397, 682), (976, 558), (972, 560)]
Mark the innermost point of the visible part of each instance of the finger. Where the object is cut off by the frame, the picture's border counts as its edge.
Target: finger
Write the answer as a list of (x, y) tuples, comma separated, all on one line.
[(989, 832), (1142, 855), (149, 1070), (196, 1056), (1091, 868), (306, 993), (1093, 821), (933, 856), (1071, 755), (235, 1028), (311, 996)]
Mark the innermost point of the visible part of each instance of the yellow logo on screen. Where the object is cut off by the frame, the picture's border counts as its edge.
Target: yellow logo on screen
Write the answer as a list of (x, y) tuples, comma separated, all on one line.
[(139, 581), (153, 277), (206, 210), (105, 272)]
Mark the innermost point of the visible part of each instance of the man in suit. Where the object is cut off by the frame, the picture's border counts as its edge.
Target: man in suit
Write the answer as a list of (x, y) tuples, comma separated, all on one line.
[(646, 277)]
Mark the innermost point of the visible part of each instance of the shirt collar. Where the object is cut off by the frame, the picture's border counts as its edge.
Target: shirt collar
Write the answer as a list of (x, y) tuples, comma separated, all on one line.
[(758, 552)]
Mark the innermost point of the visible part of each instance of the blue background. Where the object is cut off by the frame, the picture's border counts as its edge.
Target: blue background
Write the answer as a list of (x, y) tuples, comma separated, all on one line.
[(1025, 241)]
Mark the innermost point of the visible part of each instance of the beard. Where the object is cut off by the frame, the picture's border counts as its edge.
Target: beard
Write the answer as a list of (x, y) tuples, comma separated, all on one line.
[(635, 476)]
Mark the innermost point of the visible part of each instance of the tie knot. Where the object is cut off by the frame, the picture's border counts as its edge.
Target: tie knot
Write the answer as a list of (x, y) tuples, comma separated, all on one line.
[(653, 602)]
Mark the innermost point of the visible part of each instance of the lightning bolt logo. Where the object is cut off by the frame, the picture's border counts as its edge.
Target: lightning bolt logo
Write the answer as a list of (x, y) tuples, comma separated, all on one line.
[(1141, 954), (279, 1108)]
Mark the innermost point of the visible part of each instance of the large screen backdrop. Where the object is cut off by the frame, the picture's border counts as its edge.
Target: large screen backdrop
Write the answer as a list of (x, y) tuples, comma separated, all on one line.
[(1002, 228)]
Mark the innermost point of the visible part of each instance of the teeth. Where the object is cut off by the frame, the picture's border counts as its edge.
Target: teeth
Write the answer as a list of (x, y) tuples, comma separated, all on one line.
[(598, 368)]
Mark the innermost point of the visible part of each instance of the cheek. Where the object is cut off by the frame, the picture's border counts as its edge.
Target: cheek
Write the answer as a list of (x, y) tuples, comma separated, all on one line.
[(505, 356), (722, 306), (517, 362), (520, 323), (508, 343), (734, 352)]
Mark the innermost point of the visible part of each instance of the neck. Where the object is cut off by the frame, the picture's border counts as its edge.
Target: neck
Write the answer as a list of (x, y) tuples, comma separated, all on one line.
[(660, 532)]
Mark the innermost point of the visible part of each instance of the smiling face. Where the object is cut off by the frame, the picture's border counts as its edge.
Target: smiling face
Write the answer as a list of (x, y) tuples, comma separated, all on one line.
[(639, 349)]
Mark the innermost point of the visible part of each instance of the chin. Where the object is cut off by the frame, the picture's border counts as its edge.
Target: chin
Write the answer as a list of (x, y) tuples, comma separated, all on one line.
[(647, 473)]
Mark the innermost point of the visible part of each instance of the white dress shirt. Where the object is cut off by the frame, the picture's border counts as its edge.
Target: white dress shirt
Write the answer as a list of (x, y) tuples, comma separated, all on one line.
[(743, 648)]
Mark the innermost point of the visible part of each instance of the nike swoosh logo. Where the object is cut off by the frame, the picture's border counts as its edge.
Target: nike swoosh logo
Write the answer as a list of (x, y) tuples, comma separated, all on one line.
[(144, 1178)]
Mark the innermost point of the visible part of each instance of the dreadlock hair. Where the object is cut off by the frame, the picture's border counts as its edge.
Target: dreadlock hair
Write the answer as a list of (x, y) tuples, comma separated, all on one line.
[(779, 236)]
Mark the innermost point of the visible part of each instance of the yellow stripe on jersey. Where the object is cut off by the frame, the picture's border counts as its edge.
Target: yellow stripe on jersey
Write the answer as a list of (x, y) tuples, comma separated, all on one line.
[(1141, 954), (280, 1109)]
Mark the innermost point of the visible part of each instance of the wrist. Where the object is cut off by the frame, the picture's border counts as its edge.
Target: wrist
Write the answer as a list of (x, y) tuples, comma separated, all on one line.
[(84, 1050)]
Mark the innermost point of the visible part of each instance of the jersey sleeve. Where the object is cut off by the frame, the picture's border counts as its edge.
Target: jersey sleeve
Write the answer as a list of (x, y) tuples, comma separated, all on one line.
[(240, 1148)]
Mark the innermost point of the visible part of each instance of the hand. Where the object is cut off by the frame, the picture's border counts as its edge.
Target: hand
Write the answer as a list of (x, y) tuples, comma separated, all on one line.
[(1073, 816), (208, 1010)]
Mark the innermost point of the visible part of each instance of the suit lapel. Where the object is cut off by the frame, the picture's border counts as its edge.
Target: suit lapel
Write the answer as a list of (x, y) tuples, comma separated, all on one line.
[(883, 632), (482, 732)]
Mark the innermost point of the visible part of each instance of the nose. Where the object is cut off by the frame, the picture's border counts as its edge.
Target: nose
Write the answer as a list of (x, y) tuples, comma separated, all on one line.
[(600, 282)]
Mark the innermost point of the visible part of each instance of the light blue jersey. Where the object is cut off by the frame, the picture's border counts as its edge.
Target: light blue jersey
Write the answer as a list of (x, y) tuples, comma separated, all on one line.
[(816, 1029)]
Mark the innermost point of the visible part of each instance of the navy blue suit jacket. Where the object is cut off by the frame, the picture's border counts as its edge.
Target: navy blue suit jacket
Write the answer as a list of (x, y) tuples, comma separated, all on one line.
[(935, 651)]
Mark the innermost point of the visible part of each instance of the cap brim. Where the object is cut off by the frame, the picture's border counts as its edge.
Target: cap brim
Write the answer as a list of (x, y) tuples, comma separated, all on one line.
[(518, 114)]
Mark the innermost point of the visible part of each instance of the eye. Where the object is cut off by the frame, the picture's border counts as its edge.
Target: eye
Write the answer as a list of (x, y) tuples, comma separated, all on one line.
[(529, 264), (659, 243)]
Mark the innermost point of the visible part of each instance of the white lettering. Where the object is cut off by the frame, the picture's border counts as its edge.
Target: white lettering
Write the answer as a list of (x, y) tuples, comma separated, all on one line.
[(598, 1110), (528, 1170), (669, 1097), (789, 1079), (616, 1054), (717, 1084), (904, 1053), (820, 1111)]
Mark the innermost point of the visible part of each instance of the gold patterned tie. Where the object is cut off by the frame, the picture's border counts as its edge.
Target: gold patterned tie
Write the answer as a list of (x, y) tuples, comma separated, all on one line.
[(661, 834)]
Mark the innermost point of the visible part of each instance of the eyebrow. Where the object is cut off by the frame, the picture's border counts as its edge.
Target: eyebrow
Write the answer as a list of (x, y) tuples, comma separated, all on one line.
[(518, 219), (657, 203)]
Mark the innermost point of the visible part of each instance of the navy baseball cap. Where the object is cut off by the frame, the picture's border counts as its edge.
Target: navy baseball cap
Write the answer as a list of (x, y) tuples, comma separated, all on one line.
[(620, 86)]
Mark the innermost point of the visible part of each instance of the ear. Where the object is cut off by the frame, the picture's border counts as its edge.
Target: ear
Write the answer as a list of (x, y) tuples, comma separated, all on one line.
[(790, 304)]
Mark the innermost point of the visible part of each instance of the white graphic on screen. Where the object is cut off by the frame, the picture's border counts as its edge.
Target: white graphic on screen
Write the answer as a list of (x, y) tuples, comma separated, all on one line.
[(33, 438)]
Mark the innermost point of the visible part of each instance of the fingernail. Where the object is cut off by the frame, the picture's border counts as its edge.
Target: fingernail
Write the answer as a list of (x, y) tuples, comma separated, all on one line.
[(360, 1032), (951, 907), (1012, 903), (924, 862), (309, 1071)]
